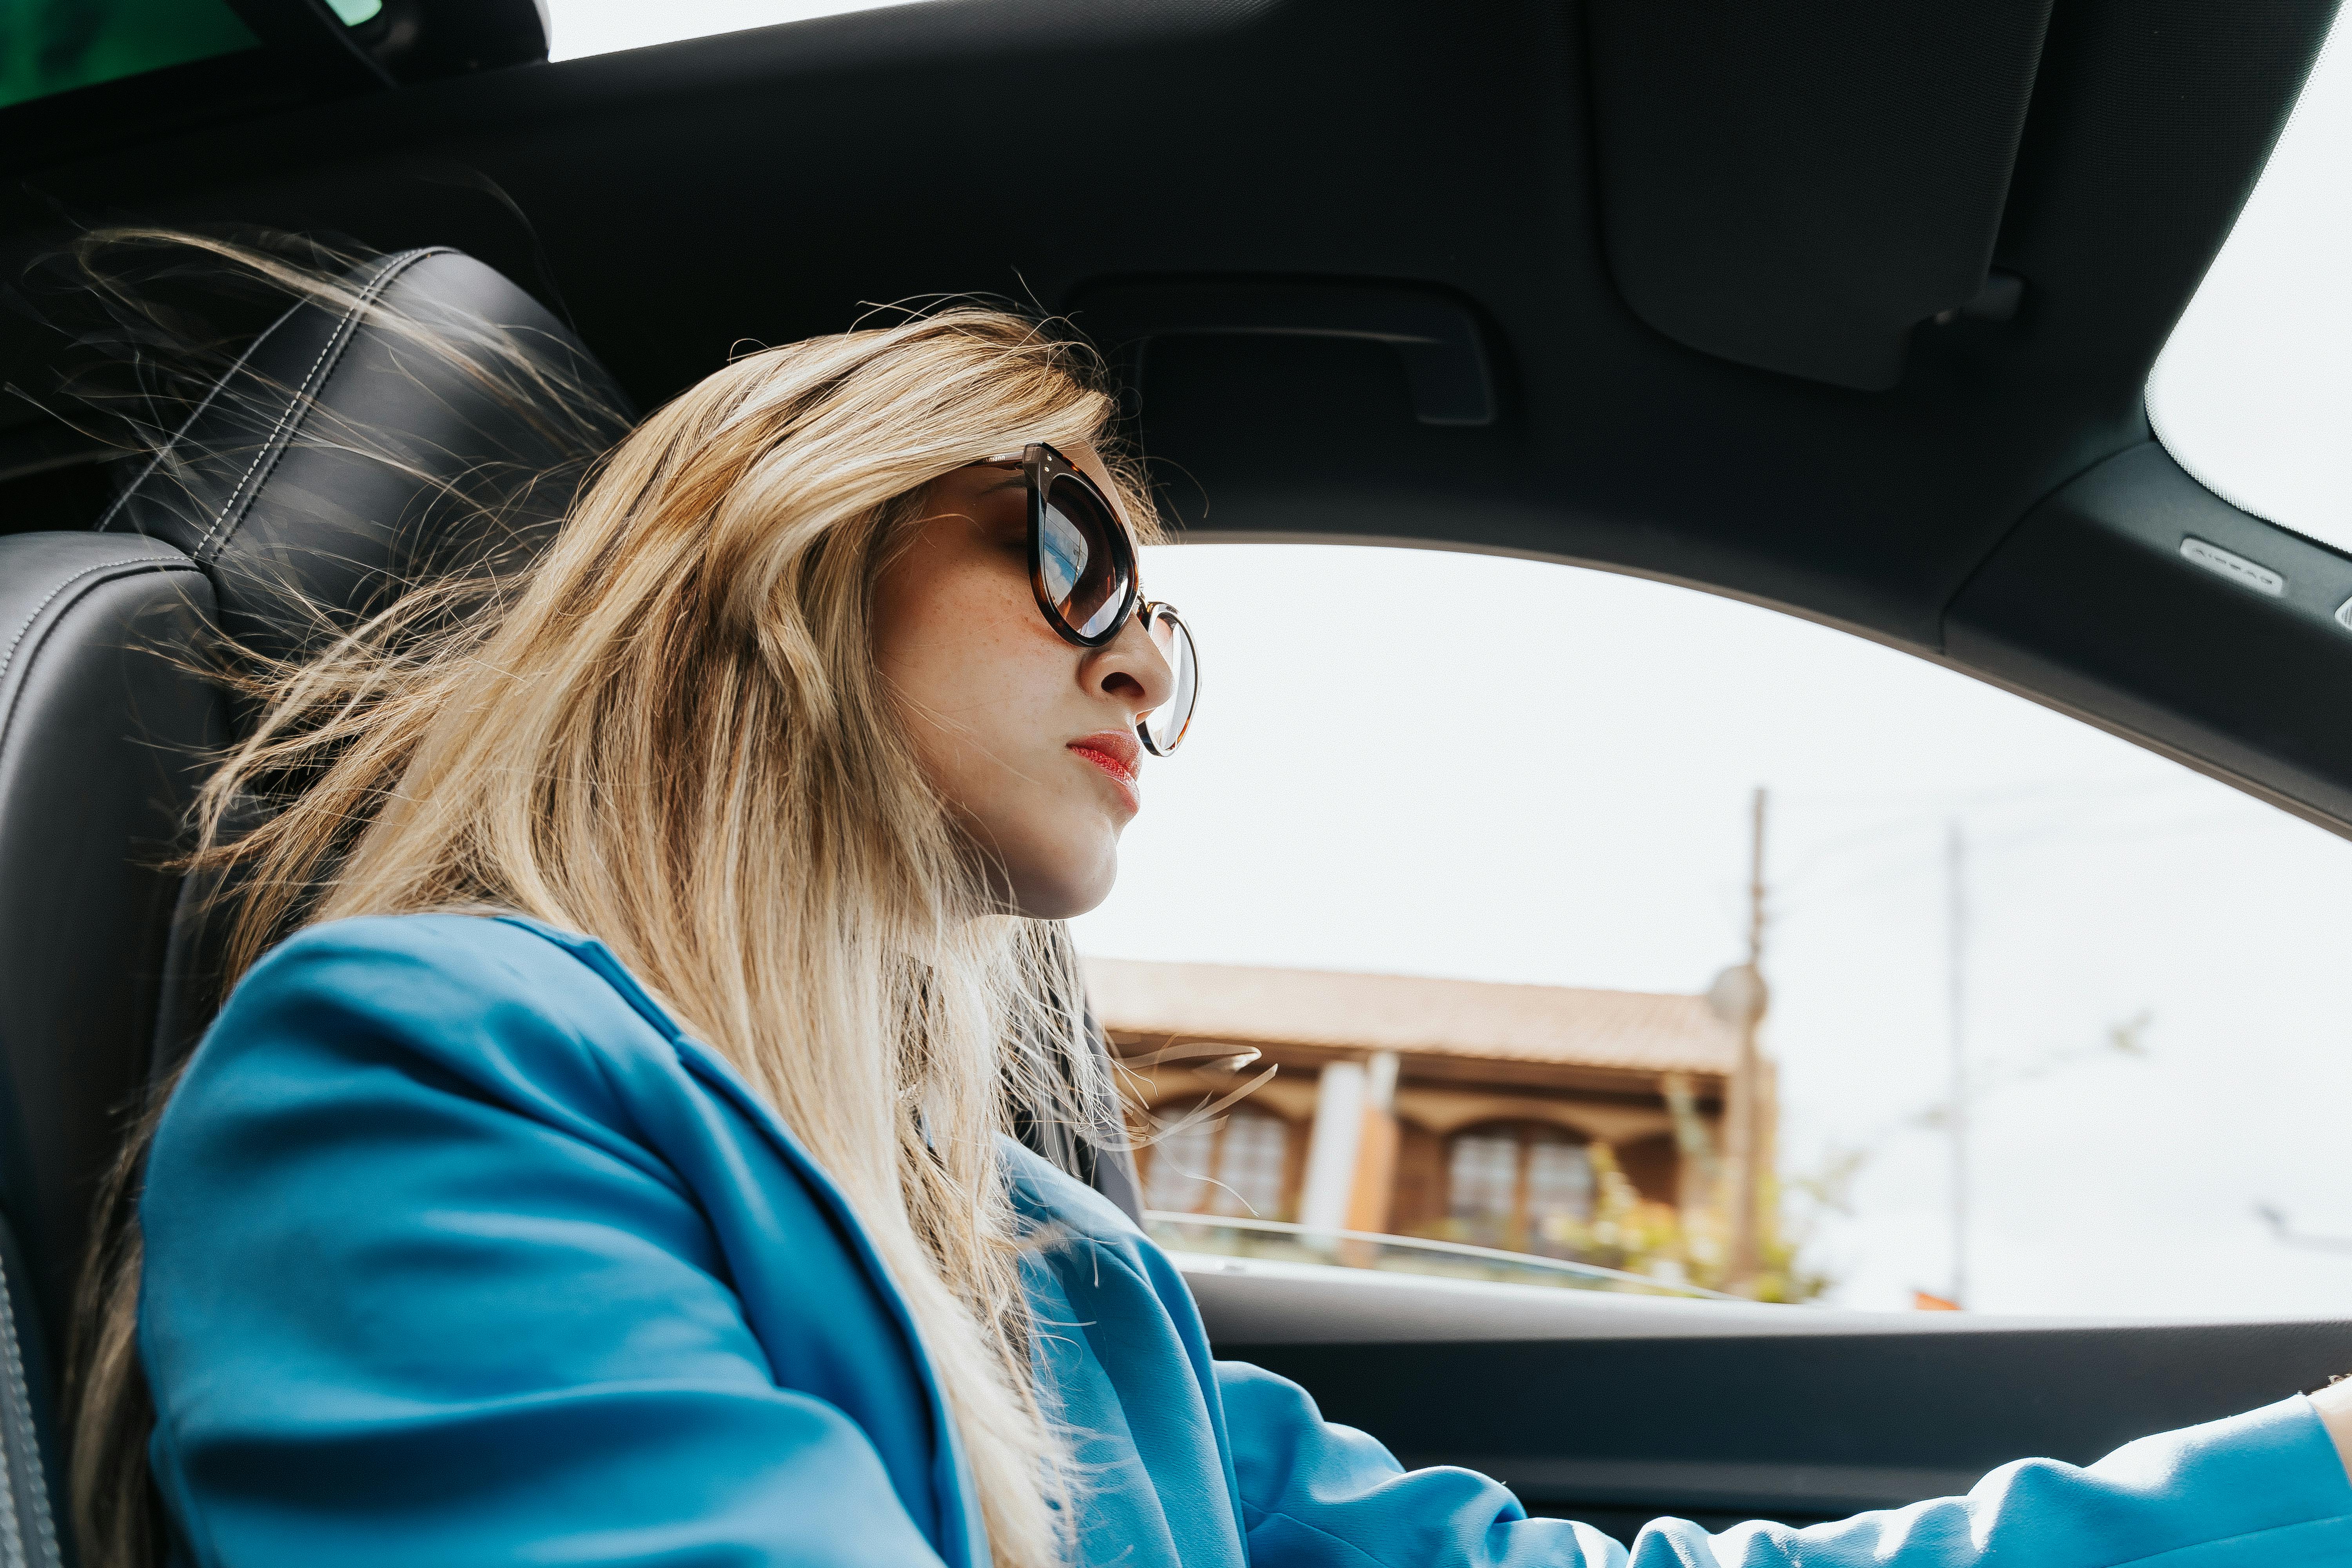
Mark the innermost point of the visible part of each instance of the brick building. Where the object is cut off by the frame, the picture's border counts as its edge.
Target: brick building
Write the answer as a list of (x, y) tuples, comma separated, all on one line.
[(1477, 1113)]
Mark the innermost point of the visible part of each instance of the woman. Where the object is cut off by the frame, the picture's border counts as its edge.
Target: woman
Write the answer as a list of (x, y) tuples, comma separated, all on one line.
[(611, 1166)]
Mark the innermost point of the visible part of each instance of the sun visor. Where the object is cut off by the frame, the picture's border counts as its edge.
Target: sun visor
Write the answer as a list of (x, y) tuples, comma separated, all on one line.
[(1797, 185)]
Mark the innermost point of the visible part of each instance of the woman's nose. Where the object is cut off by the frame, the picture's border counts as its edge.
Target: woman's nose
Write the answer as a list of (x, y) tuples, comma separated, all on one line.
[(1131, 667)]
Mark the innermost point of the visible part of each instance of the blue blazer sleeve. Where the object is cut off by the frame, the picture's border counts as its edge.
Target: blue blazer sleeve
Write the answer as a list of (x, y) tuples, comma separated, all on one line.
[(419, 1289), (2256, 1489)]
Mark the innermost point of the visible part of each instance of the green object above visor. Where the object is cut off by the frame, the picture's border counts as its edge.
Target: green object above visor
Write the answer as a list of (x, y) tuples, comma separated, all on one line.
[(50, 47)]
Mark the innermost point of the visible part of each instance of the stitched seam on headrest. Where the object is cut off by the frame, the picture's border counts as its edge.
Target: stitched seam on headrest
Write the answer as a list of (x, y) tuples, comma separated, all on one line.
[(155, 462), (18, 1404), (9, 654), (297, 406)]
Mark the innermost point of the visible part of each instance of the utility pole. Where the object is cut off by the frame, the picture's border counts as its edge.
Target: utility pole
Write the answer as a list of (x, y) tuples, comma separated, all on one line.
[(1956, 918), (1745, 1134)]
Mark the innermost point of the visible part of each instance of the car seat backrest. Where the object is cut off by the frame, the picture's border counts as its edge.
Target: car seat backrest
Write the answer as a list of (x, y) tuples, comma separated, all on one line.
[(340, 457), (99, 733)]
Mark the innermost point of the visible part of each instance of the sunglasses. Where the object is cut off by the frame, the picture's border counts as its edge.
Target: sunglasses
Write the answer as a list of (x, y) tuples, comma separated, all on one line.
[(1082, 569)]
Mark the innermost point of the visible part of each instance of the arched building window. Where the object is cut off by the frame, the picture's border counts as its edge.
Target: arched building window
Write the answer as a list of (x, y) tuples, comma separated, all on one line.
[(1236, 1164), (1515, 1184)]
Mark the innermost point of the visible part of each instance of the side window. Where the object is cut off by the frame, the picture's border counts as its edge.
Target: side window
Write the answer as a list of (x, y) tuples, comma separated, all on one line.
[(1239, 1163), (1523, 1186), (2040, 1021)]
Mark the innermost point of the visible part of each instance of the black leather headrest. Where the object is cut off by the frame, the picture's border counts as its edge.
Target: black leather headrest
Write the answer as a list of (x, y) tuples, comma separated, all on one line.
[(440, 419)]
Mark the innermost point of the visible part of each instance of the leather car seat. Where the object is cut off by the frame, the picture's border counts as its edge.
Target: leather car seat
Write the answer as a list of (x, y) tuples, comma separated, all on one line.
[(333, 464)]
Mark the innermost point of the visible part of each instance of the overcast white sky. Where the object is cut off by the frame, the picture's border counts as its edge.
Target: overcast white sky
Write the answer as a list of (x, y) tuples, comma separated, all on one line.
[(1510, 771), (580, 28), (2252, 393)]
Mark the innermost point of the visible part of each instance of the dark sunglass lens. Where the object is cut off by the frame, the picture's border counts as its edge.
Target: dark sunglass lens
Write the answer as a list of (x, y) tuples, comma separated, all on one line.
[(1084, 570)]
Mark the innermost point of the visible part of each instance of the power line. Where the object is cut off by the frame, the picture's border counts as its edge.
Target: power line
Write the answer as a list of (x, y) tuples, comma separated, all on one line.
[(1915, 862), (2283, 1231), (1956, 914)]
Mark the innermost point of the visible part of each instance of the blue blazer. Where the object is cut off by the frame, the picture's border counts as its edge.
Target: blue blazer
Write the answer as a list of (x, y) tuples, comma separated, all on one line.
[(459, 1251)]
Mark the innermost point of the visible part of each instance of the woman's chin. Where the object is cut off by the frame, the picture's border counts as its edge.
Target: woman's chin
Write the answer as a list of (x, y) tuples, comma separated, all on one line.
[(1068, 889)]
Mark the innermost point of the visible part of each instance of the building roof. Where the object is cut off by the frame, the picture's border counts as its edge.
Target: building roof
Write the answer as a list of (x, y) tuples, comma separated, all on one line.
[(1555, 1025)]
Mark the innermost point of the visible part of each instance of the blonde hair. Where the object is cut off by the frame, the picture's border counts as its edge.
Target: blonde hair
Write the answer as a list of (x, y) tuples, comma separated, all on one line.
[(669, 734)]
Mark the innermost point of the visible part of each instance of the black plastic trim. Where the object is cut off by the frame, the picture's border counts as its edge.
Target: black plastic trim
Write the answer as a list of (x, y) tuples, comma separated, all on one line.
[(2091, 603)]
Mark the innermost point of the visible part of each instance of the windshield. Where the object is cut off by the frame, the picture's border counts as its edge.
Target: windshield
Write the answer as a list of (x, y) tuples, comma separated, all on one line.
[(2254, 393)]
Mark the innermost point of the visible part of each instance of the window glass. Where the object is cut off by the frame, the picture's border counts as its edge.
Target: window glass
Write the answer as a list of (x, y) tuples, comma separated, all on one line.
[(1250, 1165), (54, 46), (1523, 1187), (1236, 1164), (578, 27), (2254, 393), (1176, 1167), (1559, 1185), (1482, 1180), (1495, 951)]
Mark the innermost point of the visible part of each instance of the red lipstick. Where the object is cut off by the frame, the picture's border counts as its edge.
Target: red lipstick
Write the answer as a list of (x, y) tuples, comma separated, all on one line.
[(1118, 755)]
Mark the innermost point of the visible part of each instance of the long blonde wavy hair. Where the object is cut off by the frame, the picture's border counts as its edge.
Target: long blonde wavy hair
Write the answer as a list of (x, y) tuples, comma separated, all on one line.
[(669, 734)]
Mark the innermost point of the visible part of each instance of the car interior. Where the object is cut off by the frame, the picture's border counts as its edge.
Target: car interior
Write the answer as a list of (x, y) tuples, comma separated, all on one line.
[(1839, 308)]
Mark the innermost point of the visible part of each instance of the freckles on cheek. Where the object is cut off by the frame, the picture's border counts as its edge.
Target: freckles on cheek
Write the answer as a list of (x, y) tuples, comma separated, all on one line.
[(969, 650)]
